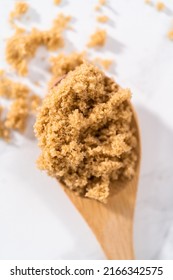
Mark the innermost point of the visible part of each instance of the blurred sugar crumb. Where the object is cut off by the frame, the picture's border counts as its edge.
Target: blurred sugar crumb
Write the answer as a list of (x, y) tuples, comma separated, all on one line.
[(11, 89), (102, 2), (57, 2), (22, 106), (98, 38), (37, 83), (17, 115), (170, 34), (20, 9), (4, 131), (62, 64), (35, 102), (61, 22), (102, 19), (160, 6), (21, 47), (52, 39), (97, 7), (1, 72), (105, 63)]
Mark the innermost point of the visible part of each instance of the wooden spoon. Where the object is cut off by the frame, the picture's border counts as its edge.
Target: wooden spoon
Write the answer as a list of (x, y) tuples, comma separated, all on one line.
[(112, 223)]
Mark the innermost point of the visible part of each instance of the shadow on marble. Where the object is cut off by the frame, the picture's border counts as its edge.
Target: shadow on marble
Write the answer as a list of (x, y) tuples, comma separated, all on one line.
[(168, 12), (154, 212), (69, 45), (111, 22), (29, 132), (32, 16), (64, 210), (39, 67), (111, 9), (63, 4), (73, 21), (112, 71), (113, 45), (53, 197)]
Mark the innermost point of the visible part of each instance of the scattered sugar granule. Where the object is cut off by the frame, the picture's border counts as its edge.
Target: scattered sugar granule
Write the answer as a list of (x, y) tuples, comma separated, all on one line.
[(57, 2), (20, 9), (37, 83), (1, 72), (105, 63), (21, 47), (11, 90), (102, 19), (61, 22), (98, 39), (4, 131), (170, 34), (17, 115), (52, 40), (102, 2), (35, 102), (62, 64), (160, 6), (97, 7)]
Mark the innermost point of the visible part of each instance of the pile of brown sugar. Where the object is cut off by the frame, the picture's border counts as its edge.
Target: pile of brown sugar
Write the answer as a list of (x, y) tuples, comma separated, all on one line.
[(85, 132)]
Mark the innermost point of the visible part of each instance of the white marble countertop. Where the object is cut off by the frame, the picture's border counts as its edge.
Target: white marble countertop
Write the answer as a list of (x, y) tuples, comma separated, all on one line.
[(37, 221)]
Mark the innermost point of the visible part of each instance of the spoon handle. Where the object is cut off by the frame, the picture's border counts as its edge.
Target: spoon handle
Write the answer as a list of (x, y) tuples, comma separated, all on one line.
[(112, 223)]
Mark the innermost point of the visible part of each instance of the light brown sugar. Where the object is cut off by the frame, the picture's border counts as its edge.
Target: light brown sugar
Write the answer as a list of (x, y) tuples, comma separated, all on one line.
[(86, 134)]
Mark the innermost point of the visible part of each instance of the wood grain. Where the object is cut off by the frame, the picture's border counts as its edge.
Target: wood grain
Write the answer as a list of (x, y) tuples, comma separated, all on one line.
[(112, 223)]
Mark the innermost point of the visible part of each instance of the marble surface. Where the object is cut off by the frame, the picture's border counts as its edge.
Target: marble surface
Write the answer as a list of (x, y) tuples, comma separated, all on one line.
[(37, 221)]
